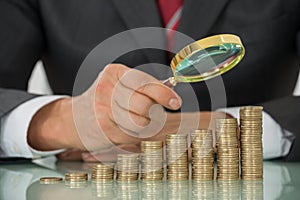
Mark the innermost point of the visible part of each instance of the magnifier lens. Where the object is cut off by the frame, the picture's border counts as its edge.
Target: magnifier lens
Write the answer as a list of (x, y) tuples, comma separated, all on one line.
[(207, 58)]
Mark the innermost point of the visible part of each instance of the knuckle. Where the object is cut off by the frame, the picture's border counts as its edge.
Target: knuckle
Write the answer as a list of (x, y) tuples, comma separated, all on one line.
[(103, 87), (109, 68), (144, 88), (115, 70), (114, 139), (140, 105), (141, 122), (105, 126)]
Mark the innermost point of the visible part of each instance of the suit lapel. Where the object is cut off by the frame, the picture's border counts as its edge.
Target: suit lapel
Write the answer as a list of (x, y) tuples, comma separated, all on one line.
[(198, 17), (141, 13), (138, 13)]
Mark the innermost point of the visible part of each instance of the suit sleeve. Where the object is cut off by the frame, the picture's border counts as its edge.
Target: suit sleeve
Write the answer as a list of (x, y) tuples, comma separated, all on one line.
[(286, 111), (21, 45)]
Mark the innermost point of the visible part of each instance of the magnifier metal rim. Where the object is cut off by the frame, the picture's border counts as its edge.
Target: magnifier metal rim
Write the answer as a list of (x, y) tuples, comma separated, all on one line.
[(203, 44)]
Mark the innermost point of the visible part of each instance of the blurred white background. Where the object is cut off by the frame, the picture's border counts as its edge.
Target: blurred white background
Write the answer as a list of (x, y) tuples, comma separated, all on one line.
[(38, 82)]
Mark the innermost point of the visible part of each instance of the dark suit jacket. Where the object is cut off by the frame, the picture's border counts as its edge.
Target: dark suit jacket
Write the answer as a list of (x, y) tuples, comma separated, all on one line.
[(62, 33)]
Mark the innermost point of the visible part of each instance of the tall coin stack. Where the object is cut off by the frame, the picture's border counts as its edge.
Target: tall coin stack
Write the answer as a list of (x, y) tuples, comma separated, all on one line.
[(152, 160), (177, 157), (202, 155), (101, 172), (227, 149), (127, 167), (251, 142)]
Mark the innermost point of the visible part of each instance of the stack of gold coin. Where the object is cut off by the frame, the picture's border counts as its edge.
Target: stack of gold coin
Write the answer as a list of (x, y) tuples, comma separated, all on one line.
[(227, 149), (127, 167), (252, 190), (102, 172), (251, 142), (177, 157), (202, 155), (152, 160), (76, 179)]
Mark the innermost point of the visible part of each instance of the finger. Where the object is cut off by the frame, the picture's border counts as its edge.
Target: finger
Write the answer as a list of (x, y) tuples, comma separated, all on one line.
[(161, 94), (133, 101), (115, 133), (88, 157), (111, 154), (147, 85), (128, 120), (70, 155), (110, 129)]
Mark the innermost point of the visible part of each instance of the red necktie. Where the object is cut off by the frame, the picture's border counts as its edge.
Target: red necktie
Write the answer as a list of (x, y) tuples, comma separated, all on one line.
[(170, 11)]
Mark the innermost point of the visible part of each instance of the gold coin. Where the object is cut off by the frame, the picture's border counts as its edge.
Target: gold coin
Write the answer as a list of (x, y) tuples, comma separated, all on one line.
[(76, 174), (254, 108), (50, 180)]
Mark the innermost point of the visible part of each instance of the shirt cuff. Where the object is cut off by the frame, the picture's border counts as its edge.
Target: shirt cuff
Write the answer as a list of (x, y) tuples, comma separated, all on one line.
[(14, 126), (276, 141)]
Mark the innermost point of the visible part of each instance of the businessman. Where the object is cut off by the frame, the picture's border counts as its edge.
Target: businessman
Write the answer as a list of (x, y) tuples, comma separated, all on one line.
[(62, 34)]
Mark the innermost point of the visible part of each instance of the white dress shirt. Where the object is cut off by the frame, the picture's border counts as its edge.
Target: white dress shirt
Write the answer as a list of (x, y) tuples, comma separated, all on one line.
[(276, 141), (14, 125)]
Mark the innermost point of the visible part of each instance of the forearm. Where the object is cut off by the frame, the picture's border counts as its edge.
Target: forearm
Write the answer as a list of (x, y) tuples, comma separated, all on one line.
[(53, 127)]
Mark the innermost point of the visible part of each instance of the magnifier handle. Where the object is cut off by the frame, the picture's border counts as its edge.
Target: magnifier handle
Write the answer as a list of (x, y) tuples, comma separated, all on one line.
[(170, 82)]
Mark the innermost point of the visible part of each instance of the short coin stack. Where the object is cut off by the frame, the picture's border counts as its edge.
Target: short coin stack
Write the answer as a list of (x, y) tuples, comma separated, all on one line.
[(127, 167), (251, 142), (227, 149), (101, 172), (76, 179), (202, 155), (177, 157), (152, 160)]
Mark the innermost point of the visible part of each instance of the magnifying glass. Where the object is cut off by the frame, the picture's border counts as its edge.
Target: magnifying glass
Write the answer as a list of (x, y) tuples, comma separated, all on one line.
[(206, 58)]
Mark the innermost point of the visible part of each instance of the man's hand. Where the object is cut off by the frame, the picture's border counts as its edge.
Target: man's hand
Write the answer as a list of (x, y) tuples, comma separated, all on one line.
[(113, 111), (206, 120)]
